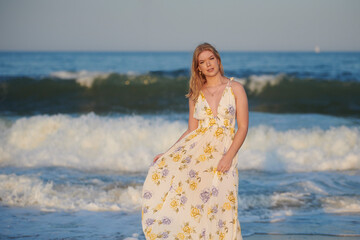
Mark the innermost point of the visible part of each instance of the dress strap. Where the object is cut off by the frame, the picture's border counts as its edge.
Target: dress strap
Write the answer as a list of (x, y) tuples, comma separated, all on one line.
[(231, 79)]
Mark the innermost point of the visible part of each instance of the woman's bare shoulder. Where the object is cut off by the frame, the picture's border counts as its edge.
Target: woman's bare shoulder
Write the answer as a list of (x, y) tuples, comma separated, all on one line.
[(237, 87)]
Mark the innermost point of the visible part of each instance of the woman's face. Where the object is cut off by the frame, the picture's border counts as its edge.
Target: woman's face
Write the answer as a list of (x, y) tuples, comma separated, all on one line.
[(208, 63)]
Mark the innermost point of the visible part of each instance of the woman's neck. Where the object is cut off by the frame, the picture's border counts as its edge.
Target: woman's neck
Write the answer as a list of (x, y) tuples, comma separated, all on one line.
[(214, 81)]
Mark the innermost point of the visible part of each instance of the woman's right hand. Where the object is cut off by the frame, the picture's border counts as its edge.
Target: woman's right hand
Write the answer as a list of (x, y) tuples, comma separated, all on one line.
[(157, 156)]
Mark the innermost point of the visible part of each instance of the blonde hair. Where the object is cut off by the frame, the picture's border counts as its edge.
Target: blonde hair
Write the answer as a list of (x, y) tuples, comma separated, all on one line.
[(198, 79)]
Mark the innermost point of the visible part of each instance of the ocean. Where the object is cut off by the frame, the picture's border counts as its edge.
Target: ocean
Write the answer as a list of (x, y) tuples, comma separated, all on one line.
[(78, 131)]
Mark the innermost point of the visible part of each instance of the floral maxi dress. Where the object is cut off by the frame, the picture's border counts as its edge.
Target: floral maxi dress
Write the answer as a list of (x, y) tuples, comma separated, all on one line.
[(184, 196)]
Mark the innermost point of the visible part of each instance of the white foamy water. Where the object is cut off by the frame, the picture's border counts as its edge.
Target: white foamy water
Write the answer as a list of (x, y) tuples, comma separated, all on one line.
[(93, 194), (87, 142), (337, 148), (31, 191), (256, 83), (128, 143), (342, 204), (83, 78), (86, 78)]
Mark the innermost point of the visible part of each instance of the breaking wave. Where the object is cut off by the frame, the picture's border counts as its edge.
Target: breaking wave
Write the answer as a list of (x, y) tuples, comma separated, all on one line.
[(101, 92), (128, 143)]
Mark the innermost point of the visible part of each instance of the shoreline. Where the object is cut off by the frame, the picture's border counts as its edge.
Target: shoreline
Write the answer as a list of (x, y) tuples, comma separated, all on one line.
[(299, 237)]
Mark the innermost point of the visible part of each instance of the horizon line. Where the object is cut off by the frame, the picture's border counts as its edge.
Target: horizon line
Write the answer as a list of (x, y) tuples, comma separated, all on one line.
[(174, 51)]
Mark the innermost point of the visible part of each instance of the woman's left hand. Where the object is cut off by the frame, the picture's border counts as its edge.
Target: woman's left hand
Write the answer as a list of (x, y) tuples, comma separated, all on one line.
[(224, 164)]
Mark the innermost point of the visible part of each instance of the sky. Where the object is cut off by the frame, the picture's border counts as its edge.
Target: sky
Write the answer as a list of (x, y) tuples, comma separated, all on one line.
[(169, 25)]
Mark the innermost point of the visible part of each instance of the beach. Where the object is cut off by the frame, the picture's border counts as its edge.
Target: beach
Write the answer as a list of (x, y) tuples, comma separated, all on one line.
[(79, 130)]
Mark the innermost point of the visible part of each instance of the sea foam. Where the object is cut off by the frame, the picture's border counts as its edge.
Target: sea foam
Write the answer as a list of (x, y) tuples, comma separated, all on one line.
[(83, 78), (25, 191), (129, 143), (97, 195)]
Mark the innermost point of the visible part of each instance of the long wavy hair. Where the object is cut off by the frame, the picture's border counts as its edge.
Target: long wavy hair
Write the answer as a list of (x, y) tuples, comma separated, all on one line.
[(198, 79)]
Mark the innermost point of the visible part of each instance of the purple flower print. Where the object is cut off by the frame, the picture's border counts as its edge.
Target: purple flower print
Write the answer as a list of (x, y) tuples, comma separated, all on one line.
[(145, 210), (192, 173), (178, 149), (165, 172), (166, 220), (214, 209), (192, 145), (188, 159), (183, 199), (147, 195), (164, 235), (205, 195), (214, 191), (231, 110), (220, 223), (150, 221), (203, 232)]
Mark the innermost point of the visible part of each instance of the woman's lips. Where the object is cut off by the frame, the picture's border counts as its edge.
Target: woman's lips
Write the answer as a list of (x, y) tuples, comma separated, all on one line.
[(210, 69)]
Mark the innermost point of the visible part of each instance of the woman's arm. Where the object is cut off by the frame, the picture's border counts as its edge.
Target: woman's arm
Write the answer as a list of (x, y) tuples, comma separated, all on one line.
[(242, 115), (192, 125)]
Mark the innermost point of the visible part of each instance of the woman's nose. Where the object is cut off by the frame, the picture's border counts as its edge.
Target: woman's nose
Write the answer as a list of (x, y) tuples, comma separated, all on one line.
[(207, 63)]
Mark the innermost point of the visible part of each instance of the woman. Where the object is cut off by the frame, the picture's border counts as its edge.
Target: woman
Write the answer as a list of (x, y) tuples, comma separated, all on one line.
[(191, 190)]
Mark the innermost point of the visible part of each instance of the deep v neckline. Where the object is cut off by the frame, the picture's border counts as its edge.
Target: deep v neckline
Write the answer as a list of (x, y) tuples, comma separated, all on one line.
[(217, 108)]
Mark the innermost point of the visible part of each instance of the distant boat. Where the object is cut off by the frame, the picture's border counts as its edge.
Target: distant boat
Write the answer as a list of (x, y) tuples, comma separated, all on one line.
[(317, 49)]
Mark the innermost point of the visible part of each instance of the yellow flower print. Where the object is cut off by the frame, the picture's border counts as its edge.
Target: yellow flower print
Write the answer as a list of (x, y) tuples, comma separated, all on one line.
[(227, 206), (202, 158), (222, 236), (212, 122), (153, 236), (159, 206), (193, 185), (209, 149), (148, 232), (219, 131), (231, 197), (208, 111), (155, 177), (176, 157), (174, 203), (161, 163), (187, 229), (202, 96), (179, 190), (191, 137), (232, 130), (226, 122), (201, 130), (195, 212), (181, 236)]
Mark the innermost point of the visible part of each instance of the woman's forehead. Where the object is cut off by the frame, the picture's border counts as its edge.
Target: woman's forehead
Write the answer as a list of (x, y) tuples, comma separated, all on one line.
[(205, 54)]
